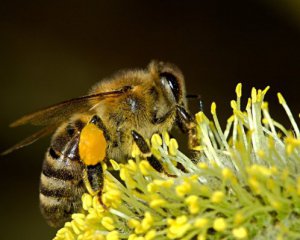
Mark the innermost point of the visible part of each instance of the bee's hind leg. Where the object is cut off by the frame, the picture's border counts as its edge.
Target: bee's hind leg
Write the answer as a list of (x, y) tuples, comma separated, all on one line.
[(94, 181), (144, 148)]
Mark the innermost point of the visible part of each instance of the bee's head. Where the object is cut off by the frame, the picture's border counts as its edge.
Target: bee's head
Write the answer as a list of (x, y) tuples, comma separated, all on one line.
[(170, 80)]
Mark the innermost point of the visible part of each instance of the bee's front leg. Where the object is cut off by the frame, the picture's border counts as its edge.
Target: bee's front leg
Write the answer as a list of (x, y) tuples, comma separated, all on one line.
[(187, 124), (144, 148)]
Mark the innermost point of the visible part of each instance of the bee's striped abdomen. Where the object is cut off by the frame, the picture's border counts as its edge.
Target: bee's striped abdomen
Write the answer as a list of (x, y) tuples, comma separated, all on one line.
[(61, 184)]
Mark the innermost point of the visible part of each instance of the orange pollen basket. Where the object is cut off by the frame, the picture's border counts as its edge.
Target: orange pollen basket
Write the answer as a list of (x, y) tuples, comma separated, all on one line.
[(92, 145)]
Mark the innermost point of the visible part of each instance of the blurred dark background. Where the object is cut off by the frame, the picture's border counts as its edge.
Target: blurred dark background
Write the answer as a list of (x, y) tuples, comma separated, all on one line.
[(54, 50)]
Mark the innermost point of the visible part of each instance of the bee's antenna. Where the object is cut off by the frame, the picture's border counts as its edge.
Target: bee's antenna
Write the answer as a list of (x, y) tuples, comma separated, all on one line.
[(201, 105), (193, 96), (196, 97)]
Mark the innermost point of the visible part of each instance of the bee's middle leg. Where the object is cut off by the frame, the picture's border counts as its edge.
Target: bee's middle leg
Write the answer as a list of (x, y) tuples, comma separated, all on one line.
[(144, 148)]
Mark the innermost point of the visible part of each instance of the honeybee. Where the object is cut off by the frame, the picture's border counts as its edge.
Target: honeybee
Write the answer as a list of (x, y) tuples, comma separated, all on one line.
[(119, 111)]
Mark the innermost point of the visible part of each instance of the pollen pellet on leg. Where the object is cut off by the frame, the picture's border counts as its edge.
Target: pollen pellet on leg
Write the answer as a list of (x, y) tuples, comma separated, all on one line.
[(92, 145)]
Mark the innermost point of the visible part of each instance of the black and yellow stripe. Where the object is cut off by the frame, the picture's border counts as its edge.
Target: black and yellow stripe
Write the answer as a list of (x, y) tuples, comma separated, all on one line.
[(61, 183)]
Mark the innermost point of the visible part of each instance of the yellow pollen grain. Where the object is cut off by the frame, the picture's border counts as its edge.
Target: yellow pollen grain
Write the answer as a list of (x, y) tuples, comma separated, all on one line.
[(181, 219), (259, 95), (173, 147), (201, 223), (213, 108), (276, 205), (108, 223), (68, 235), (126, 177), (112, 198), (145, 167), (265, 105), (104, 166), (132, 237), (87, 201), (217, 197), (132, 166), (238, 218), (78, 216), (254, 95), (163, 183), (152, 187), (238, 90), (156, 140), (140, 238), (198, 148), (281, 98), (92, 145), (254, 184), (193, 204), (240, 233), (150, 234), (80, 223), (261, 153), (93, 216), (135, 151), (227, 173), (96, 205), (115, 165), (133, 223), (177, 228), (114, 235), (75, 228), (265, 121), (156, 203), (139, 229), (147, 222), (113, 194), (123, 173), (194, 178), (204, 190), (265, 171), (166, 138), (183, 189), (156, 153), (191, 199), (201, 236), (202, 165), (248, 106), (289, 149), (219, 224)]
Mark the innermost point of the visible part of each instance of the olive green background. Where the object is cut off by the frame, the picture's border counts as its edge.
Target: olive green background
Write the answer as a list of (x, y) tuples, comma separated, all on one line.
[(54, 50)]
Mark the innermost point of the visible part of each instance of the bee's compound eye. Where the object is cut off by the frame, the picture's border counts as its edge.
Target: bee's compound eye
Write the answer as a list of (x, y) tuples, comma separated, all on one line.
[(172, 82)]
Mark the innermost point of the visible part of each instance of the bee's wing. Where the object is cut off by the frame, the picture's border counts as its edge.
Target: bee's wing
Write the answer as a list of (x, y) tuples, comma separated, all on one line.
[(52, 116), (31, 139), (62, 111)]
